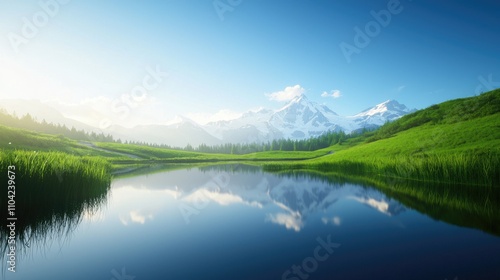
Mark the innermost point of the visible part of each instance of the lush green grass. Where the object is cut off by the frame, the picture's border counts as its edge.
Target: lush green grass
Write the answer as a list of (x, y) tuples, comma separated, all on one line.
[(480, 135), (53, 190), (56, 180), (49, 165)]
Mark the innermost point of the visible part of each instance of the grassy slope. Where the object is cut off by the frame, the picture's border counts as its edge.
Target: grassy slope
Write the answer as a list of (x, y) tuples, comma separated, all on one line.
[(457, 141), (479, 135), (463, 125), (39, 155), (19, 139), (166, 155)]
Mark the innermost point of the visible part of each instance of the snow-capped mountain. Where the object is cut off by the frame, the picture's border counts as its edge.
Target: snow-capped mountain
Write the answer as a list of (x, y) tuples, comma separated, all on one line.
[(301, 119)]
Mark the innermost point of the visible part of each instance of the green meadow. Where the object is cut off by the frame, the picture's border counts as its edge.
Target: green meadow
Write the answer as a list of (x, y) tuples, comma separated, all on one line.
[(457, 141)]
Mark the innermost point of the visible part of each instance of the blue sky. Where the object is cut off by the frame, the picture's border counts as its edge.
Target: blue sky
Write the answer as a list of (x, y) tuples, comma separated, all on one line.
[(91, 58)]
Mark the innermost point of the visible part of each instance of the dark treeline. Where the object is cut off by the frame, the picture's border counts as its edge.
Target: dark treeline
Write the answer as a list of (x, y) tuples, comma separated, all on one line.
[(29, 123), (155, 145), (311, 144)]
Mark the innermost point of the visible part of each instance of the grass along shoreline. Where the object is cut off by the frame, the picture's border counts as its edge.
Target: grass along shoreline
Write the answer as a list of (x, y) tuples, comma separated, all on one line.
[(53, 192), (60, 165), (467, 169)]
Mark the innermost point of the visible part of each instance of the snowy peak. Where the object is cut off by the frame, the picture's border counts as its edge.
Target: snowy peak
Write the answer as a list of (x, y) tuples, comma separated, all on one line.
[(378, 115), (302, 118), (179, 120), (300, 106), (297, 102), (387, 107)]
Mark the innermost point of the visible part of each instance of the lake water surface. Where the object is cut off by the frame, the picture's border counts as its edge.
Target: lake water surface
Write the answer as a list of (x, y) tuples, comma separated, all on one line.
[(241, 223)]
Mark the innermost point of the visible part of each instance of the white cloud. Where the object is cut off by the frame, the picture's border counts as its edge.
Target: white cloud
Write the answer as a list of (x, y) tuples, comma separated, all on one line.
[(400, 88), (290, 221), (334, 93), (381, 205), (287, 94), (203, 196), (135, 217)]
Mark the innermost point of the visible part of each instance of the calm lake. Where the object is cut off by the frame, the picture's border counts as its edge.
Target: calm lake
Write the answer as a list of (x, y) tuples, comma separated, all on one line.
[(237, 222)]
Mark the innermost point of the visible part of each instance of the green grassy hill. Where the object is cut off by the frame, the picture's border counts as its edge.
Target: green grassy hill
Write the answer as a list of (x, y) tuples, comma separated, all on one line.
[(449, 112), (456, 141), (19, 139)]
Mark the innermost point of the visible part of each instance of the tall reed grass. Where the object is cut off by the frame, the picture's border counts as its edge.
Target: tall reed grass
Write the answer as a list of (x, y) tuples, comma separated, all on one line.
[(53, 191)]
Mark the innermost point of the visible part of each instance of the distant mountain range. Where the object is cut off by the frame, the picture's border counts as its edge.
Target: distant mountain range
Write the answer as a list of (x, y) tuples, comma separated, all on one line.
[(299, 119)]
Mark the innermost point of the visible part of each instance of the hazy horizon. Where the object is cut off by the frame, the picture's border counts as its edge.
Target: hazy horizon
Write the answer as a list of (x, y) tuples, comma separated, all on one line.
[(21, 107)]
